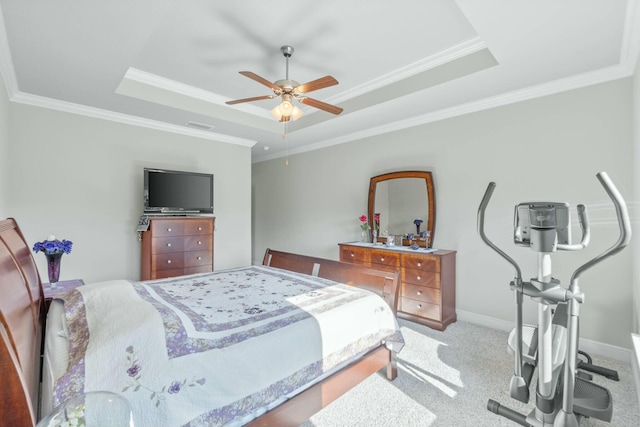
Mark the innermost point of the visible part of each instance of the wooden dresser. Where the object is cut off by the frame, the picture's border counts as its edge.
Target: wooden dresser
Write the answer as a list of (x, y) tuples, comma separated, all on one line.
[(175, 246), (428, 280)]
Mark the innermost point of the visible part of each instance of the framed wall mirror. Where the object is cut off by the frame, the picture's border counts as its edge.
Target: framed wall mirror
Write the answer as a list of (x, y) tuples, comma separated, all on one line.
[(400, 198)]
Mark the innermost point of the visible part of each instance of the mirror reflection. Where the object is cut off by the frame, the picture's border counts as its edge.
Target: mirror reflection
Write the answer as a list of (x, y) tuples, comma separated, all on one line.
[(397, 200)]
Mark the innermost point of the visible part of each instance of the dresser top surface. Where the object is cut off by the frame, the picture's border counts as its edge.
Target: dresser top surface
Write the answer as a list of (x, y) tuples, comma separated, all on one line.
[(402, 249)]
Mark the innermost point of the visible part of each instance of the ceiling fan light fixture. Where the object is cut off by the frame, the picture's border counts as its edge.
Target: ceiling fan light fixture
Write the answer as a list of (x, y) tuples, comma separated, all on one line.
[(286, 111)]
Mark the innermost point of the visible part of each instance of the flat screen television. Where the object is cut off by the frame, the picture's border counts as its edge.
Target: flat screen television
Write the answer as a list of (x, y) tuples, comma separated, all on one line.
[(177, 192)]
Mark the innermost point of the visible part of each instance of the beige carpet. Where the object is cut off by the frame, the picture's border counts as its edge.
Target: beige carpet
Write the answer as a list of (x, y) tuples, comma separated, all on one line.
[(445, 379)]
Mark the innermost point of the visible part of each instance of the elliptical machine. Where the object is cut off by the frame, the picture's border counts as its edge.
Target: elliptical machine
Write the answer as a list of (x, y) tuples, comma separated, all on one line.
[(561, 400)]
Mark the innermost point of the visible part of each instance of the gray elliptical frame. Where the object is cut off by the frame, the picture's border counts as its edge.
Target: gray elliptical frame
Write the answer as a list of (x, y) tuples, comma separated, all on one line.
[(547, 291)]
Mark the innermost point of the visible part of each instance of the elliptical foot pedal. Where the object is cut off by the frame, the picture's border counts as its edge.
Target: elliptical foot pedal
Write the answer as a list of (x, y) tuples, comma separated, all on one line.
[(592, 400)]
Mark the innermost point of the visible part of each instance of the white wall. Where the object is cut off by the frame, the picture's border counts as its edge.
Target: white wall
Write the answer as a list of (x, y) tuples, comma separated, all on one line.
[(636, 195), (543, 149), (80, 179), (4, 148)]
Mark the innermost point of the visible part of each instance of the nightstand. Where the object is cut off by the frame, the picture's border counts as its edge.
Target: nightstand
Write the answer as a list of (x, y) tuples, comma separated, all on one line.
[(62, 286)]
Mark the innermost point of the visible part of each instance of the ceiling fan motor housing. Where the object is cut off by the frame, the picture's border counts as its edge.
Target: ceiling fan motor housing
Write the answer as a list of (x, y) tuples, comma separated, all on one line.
[(287, 85)]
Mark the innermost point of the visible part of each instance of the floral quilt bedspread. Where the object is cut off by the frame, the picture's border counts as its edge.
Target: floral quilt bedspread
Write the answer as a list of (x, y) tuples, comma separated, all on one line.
[(219, 348)]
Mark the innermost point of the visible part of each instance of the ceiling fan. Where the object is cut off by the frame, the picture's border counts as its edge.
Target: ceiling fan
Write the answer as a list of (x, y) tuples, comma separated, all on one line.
[(288, 90)]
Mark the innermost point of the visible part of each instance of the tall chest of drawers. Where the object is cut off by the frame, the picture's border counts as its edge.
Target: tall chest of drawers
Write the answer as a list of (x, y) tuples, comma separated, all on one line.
[(175, 246), (428, 280)]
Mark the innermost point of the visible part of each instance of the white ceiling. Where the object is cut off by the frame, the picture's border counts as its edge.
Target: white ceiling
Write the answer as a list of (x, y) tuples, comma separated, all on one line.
[(162, 63)]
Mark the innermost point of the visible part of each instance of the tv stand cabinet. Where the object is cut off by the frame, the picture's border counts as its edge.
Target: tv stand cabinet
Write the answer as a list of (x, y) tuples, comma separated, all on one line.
[(175, 246)]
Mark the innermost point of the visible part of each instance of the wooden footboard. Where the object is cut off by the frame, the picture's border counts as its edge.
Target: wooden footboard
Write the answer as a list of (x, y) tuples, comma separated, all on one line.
[(301, 407), (383, 283)]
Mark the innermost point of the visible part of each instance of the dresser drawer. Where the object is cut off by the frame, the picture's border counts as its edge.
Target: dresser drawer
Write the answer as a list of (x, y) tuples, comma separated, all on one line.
[(195, 258), (163, 274), (354, 255), (167, 227), (420, 308), (421, 278), (163, 245), (386, 259), (198, 269), (167, 261), (198, 243), (198, 226), (421, 293), (421, 262)]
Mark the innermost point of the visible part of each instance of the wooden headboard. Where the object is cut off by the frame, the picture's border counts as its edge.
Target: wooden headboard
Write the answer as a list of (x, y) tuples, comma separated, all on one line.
[(21, 326), (383, 283)]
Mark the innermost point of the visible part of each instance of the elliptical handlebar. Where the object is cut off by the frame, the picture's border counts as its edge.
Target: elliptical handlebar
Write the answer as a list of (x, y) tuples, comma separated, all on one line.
[(624, 223), (483, 236), (586, 233)]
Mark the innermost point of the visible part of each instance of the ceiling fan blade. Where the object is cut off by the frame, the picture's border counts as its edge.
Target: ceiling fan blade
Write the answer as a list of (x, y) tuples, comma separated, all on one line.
[(254, 76), (257, 98), (321, 105), (320, 83)]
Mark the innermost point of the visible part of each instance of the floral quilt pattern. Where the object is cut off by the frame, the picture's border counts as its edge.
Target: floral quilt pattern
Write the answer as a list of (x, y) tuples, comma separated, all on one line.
[(217, 348)]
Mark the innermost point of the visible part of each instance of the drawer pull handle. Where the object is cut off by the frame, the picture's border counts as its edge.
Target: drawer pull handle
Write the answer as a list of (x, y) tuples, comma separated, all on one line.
[(168, 261), (168, 245), (419, 305), (419, 292), (419, 264), (352, 255), (199, 242), (199, 228), (418, 277), (169, 230), (199, 258), (382, 259)]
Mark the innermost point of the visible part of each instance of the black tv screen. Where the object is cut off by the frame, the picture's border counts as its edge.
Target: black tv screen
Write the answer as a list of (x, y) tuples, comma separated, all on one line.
[(167, 191)]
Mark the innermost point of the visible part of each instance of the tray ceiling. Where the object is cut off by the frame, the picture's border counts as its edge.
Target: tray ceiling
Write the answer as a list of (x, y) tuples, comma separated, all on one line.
[(399, 64)]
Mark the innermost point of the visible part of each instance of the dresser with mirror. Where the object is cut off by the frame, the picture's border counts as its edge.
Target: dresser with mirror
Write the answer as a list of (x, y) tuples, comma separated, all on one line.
[(402, 212)]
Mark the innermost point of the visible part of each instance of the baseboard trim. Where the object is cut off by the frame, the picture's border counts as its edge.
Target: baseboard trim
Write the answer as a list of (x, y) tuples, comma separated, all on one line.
[(592, 347), (635, 363)]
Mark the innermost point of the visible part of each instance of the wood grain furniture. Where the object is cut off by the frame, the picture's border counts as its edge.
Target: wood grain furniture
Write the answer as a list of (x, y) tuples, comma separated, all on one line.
[(427, 280), (21, 326), (22, 319), (175, 246), (398, 199)]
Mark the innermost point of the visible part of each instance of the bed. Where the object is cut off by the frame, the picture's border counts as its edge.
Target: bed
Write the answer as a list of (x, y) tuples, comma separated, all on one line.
[(297, 289)]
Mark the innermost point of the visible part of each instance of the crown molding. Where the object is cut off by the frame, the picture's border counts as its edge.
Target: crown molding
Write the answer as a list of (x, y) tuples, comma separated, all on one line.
[(558, 86), (630, 50), (83, 110), (7, 70), (458, 51), (163, 83)]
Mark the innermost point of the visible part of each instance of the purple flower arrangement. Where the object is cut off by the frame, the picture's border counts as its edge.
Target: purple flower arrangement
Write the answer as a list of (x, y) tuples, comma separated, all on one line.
[(53, 246)]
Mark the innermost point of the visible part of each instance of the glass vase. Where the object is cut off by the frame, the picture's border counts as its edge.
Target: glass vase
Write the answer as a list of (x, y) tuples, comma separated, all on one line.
[(53, 268)]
